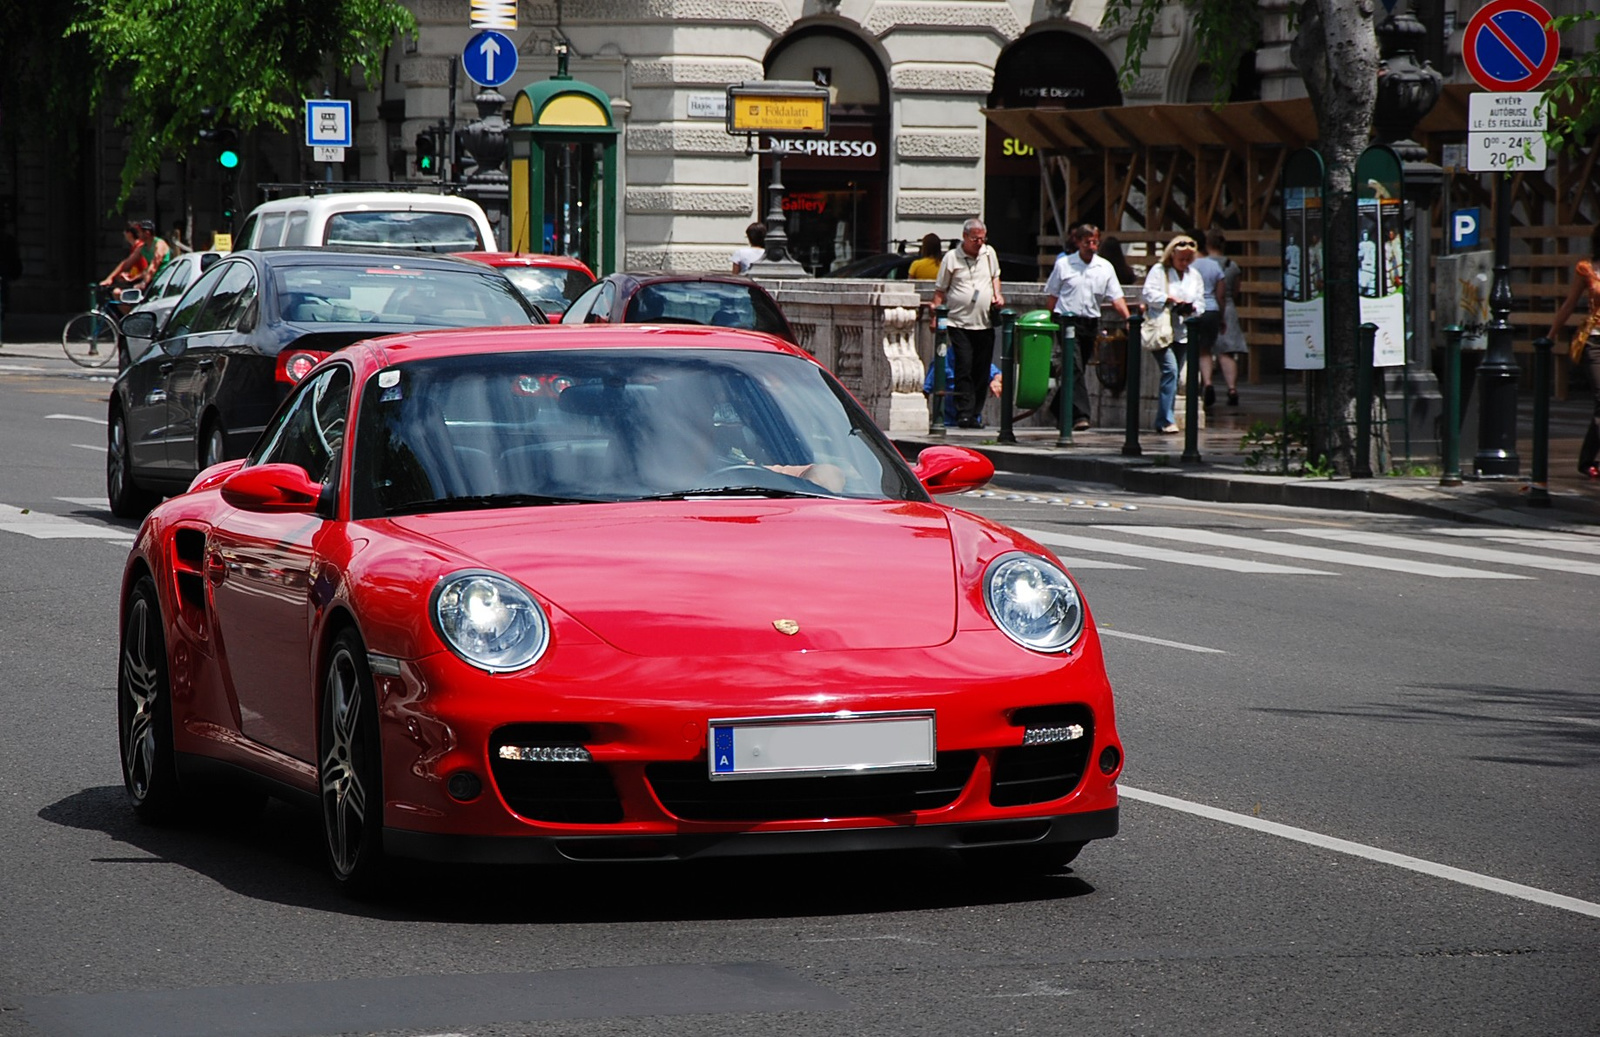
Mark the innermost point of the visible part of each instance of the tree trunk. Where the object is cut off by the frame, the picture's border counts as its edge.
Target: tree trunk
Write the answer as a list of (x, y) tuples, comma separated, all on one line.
[(1336, 52)]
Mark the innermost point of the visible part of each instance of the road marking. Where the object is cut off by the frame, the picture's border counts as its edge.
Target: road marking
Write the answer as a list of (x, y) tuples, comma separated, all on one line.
[(1529, 538), (1159, 641), (1454, 550), (44, 526), (99, 449), (75, 417), (1161, 554), (1094, 563), (1312, 554), (19, 367), (1371, 853)]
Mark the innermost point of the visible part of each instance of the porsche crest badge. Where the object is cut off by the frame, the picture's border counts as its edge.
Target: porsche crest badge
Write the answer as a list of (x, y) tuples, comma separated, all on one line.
[(786, 626)]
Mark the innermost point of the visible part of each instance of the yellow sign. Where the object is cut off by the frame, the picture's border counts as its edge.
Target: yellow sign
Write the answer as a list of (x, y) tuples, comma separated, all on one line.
[(221, 242), (771, 113), (494, 14)]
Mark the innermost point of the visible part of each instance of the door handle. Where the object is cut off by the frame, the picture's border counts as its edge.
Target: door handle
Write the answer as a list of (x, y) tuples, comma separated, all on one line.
[(167, 367), (206, 362)]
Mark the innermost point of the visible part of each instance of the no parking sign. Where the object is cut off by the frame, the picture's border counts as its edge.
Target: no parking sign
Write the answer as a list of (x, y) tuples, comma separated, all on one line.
[(1508, 47)]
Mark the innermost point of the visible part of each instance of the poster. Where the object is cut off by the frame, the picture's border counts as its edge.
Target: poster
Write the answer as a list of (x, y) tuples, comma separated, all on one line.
[(1304, 318), (1380, 253)]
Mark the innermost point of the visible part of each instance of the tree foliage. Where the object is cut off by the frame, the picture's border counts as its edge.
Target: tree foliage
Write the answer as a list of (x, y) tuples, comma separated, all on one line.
[(1225, 30), (1572, 97), (36, 98), (158, 63)]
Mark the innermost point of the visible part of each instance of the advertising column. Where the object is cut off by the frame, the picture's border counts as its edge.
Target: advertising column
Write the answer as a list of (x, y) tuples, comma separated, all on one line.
[(1381, 251), (1304, 320)]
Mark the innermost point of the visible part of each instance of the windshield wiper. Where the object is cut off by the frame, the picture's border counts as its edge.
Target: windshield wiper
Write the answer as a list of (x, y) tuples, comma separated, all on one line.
[(733, 491), (493, 500)]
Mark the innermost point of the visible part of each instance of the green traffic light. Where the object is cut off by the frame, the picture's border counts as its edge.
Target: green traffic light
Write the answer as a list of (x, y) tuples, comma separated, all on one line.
[(229, 159)]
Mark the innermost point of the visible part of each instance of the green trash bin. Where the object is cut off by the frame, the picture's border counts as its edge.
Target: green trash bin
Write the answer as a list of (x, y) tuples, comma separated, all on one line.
[(1036, 341)]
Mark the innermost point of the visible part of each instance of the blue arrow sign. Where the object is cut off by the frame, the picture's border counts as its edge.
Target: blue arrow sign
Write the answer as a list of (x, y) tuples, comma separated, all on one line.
[(490, 58)]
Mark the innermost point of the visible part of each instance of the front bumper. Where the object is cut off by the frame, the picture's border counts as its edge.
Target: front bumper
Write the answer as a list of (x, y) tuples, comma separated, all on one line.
[(529, 849)]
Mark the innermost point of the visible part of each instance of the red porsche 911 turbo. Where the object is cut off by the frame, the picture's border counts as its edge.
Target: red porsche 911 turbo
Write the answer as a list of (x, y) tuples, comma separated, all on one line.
[(606, 593)]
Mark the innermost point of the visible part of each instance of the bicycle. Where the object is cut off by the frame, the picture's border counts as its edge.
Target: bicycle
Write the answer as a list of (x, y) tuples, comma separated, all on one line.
[(91, 339)]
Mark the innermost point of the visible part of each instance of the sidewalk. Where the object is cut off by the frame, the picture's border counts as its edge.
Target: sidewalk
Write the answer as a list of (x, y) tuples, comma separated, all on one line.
[(1096, 457)]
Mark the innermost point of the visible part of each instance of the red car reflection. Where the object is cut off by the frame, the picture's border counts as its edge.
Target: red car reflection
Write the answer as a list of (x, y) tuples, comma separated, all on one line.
[(549, 282), (601, 593)]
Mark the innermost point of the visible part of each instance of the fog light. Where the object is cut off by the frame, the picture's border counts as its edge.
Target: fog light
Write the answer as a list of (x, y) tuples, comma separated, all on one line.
[(546, 753), (1054, 733), (464, 785), (1110, 759)]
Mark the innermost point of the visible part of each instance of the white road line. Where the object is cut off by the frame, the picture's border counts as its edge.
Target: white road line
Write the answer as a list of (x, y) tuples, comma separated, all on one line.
[(19, 367), (1161, 554), (1094, 563), (87, 502), (99, 449), (1160, 641), (1528, 538), (1452, 550), (44, 526), (76, 417), (1313, 554), (1371, 853)]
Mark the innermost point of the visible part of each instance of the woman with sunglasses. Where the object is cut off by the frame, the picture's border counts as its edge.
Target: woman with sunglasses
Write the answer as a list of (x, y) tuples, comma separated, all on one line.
[(1173, 291)]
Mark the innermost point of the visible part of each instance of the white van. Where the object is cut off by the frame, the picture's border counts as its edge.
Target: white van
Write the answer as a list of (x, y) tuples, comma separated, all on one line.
[(370, 220)]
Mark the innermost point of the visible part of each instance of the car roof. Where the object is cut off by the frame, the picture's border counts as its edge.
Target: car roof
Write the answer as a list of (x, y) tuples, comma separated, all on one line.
[(429, 345), (343, 255), (526, 259), (657, 276), (346, 201)]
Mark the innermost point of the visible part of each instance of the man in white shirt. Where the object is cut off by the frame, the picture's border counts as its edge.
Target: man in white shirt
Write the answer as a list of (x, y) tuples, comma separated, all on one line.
[(756, 251), (969, 283), (1079, 285)]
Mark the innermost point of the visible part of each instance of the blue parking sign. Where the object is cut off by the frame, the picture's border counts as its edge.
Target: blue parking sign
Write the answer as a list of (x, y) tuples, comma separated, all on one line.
[(1464, 228)]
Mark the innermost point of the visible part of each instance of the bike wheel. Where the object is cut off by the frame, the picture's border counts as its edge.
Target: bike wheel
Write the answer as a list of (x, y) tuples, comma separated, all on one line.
[(90, 339)]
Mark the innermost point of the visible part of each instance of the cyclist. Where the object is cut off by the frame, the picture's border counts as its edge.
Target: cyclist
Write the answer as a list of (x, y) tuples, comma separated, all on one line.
[(131, 270)]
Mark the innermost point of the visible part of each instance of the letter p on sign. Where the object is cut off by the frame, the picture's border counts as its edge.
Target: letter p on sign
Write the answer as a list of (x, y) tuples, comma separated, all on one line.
[(1463, 228)]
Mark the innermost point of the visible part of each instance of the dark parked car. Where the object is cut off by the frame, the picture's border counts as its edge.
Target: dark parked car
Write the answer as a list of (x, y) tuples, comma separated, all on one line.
[(716, 300), (208, 377)]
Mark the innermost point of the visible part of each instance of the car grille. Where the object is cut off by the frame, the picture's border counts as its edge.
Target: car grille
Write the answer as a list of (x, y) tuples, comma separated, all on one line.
[(688, 792), (570, 793), (1041, 773)]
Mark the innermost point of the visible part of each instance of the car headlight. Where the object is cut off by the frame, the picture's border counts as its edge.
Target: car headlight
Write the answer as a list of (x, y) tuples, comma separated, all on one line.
[(1033, 602), (489, 621)]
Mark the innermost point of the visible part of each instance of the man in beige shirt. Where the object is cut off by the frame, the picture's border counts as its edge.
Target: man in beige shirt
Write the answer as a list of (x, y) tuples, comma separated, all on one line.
[(969, 283)]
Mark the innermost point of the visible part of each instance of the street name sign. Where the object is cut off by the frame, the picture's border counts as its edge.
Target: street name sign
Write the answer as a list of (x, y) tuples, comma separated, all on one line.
[(1508, 47), (1505, 133), (790, 108), (328, 124), (490, 58)]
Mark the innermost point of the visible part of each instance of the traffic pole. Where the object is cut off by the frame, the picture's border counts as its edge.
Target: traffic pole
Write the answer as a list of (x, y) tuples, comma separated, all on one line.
[(1451, 439), (1008, 373), (1191, 405), (1362, 469), (941, 350), (1539, 492), (1069, 365), (1130, 392), (1497, 375)]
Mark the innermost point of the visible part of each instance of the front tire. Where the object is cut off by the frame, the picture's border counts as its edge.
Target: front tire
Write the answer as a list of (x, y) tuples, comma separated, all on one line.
[(350, 772), (144, 710), (126, 500), (213, 447)]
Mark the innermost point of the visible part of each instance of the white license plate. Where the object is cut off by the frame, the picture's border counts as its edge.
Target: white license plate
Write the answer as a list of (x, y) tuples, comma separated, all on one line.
[(830, 743)]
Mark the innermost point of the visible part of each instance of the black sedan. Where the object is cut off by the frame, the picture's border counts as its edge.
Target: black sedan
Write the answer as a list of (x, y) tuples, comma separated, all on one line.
[(715, 300), (210, 375)]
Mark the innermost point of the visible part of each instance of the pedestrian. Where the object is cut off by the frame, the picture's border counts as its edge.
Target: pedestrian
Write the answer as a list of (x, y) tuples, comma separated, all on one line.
[(950, 418), (1208, 322), (756, 235), (926, 266), (1173, 292), (1585, 345), (1231, 343), (1079, 284), (969, 283)]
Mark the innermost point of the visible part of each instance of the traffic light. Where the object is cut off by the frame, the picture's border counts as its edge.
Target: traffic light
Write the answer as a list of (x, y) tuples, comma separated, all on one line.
[(228, 154), (427, 153)]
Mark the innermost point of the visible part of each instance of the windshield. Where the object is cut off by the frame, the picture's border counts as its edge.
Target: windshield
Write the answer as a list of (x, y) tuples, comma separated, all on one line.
[(556, 427), (398, 293), (550, 288), (417, 231), (706, 302)]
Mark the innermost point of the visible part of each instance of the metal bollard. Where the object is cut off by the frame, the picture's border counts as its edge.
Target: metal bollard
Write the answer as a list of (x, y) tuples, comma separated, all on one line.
[(1008, 373), (1543, 371), (1451, 439), (1069, 365), (941, 350), (1131, 391), (1362, 469), (1191, 405)]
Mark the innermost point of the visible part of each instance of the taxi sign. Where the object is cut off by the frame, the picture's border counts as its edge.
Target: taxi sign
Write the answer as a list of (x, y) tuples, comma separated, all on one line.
[(789, 108), (328, 124), (1507, 46)]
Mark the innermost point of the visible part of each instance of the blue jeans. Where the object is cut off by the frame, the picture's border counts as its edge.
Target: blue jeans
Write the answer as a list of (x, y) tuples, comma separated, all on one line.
[(1167, 397)]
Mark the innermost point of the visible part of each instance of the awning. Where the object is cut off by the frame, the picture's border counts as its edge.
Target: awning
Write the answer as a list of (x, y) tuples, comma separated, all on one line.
[(1189, 126)]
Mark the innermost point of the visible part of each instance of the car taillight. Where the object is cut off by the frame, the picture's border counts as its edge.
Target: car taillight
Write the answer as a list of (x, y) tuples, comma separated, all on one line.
[(295, 364)]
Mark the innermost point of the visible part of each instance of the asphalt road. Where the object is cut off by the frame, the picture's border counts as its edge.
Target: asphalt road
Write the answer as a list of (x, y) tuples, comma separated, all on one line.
[(1358, 799)]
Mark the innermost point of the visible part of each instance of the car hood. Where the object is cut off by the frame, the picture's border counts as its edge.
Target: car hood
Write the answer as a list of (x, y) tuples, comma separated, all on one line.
[(716, 577)]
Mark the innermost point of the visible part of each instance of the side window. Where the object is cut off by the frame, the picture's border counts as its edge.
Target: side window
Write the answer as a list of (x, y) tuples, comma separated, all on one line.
[(162, 285), (183, 318), (296, 235), (578, 312), (243, 240), (231, 298), (601, 314), (271, 230), (180, 274), (309, 430)]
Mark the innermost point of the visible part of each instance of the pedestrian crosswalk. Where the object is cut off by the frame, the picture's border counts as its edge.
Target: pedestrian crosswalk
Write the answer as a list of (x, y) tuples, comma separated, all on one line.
[(44, 525), (1323, 551)]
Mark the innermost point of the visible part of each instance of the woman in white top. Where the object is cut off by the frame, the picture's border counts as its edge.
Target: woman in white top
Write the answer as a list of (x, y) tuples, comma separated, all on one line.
[(1173, 291)]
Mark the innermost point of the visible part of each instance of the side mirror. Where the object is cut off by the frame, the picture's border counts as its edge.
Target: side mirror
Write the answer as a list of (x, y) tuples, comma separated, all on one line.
[(952, 469), (139, 325), (131, 296), (215, 475), (272, 488)]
